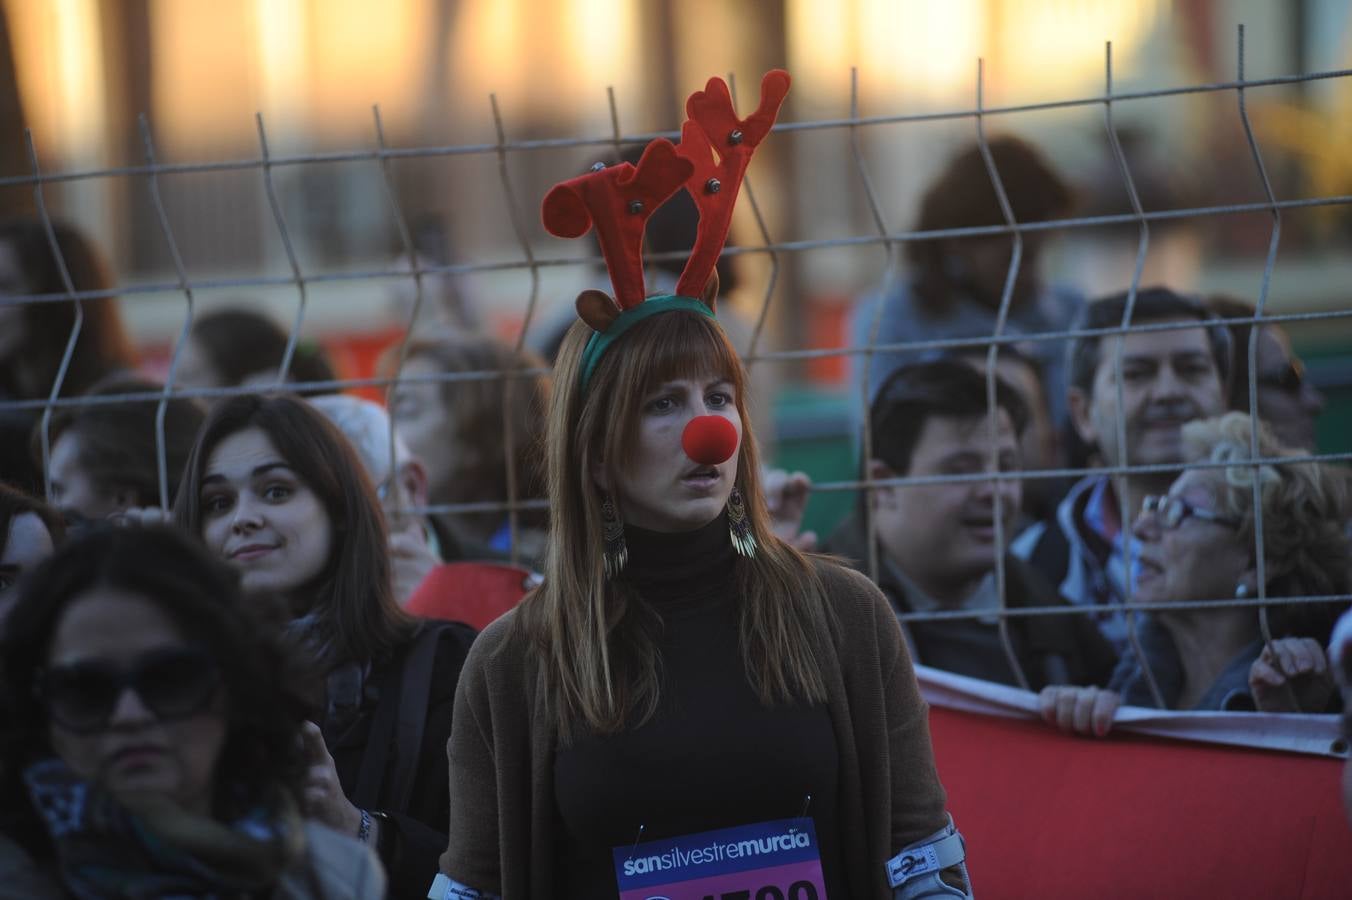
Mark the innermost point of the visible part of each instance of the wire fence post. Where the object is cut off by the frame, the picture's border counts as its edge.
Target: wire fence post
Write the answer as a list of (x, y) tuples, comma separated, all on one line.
[(161, 216), (992, 411), (299, 280), (1127, 513), (40, 201)]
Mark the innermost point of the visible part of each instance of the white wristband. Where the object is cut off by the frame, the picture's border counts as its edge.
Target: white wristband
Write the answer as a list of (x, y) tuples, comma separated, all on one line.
[(444, 887)]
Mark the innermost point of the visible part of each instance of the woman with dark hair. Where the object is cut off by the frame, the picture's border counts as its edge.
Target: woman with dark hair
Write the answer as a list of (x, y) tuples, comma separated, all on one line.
[(33, 336), (153, 741), (273, 488), (231, 347), (105, 456), (29, 531), (684, 685)]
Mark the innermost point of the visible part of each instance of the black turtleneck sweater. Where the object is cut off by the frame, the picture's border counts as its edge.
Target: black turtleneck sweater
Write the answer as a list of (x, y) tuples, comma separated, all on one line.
[(712, 756)]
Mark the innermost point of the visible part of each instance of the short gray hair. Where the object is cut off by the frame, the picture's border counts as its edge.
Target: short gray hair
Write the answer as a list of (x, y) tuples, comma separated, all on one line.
[(366, 425)]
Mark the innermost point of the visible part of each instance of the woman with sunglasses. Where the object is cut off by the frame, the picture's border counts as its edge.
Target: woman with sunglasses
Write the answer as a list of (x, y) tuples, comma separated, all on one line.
[(273, 488), (152, 744), (1197, 544)]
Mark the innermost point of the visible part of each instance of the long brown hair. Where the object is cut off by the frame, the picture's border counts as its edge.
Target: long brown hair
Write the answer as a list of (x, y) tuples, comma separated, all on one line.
[(353, 599), (595, 639), (102, 346)]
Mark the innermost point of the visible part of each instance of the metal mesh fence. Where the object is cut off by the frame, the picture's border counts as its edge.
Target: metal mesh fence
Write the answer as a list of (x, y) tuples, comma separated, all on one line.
[(883, 235)]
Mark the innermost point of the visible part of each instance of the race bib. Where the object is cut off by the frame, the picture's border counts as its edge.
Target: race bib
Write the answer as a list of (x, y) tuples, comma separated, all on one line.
[(776, 860)]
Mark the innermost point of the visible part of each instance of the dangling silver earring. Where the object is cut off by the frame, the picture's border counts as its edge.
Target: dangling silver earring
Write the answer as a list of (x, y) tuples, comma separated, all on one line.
[(739, 526), (1241, 591), (614, 552)]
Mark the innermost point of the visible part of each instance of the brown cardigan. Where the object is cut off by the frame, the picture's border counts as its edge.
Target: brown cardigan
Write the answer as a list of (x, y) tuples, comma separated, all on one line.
[(502, 744)]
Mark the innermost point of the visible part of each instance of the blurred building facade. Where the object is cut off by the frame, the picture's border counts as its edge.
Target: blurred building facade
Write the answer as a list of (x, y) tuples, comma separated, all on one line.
[(200, 70)]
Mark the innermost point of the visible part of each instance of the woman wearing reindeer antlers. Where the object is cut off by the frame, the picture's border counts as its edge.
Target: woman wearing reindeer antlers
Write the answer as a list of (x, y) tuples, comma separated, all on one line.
[(688, 707)]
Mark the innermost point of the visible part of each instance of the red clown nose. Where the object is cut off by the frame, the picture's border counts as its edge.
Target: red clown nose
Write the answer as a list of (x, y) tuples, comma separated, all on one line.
[(709, 440)]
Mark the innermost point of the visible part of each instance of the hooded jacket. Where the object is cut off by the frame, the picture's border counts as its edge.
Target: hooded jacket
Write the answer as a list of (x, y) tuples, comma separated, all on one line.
[(1070, 554)]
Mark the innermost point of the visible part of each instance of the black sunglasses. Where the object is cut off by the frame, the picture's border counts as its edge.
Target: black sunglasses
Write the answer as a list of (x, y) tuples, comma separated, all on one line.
[(173, 683)]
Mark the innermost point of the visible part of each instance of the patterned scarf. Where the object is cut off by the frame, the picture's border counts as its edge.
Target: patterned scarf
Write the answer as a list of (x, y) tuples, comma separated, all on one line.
[(142, 847)]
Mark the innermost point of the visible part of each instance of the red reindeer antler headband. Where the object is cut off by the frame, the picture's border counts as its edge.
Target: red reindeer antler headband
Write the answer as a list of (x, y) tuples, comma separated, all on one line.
[(618, 201)]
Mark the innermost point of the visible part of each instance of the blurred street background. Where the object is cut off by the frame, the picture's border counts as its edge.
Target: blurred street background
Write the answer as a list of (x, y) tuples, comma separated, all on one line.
[(78, 73)]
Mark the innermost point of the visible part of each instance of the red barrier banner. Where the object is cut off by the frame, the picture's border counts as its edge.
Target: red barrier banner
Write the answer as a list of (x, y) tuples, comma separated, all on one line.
[(1050, 815)]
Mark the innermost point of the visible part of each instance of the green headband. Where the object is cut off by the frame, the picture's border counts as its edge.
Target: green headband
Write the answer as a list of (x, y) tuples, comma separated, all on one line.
[(600, 341)]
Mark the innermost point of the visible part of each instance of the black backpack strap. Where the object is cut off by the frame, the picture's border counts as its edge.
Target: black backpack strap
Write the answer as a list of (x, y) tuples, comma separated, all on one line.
[(371, 775), (415, 692)]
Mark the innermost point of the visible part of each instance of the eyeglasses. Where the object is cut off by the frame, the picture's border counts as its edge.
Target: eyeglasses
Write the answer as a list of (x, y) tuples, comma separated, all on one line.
[(1171, 511), (1289, 378), (173, 683)]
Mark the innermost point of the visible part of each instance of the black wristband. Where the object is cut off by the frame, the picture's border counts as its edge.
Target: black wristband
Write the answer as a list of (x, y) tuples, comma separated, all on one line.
[(385, 838)]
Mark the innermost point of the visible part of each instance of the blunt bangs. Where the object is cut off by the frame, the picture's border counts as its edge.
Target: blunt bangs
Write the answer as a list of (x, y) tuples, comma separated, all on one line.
[(677, 346)]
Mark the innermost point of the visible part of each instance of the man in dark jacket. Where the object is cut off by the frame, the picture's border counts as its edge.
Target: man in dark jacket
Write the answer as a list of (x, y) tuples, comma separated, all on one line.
[(937, 542), (1169, 377)]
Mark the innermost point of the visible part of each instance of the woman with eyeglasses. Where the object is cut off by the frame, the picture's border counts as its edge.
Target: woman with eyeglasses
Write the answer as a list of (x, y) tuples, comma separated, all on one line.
[(152, 742), (1197, 544)]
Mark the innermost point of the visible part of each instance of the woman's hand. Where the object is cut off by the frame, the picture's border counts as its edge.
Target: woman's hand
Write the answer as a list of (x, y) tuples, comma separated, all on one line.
[(322, 793), (1081, 710), (1291, 675), (786, 498)]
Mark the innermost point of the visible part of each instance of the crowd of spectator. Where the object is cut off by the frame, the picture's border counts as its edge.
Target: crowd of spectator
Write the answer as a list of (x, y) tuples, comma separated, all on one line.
[(240, 620)]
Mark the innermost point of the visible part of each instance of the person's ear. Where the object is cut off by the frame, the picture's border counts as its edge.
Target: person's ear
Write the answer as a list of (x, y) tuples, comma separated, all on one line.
[(1274, 569), (1081, 415), (412, 478), (882, 496)]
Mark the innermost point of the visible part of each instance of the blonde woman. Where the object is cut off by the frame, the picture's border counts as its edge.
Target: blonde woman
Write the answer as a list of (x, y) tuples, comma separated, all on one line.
[(1197, 543), (687, 703)]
